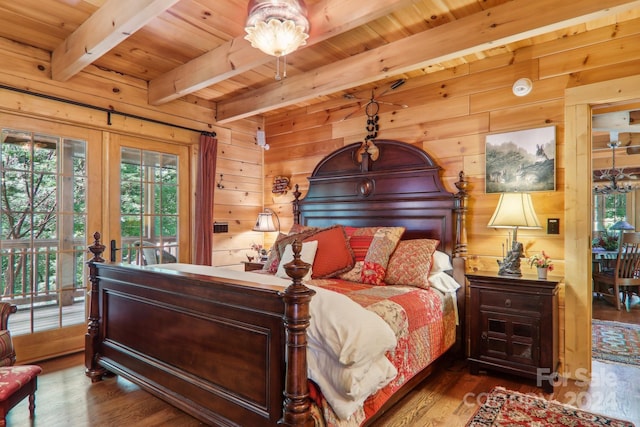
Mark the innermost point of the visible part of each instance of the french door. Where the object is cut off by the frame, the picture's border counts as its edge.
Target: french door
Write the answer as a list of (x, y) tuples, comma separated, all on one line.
[(62, 183), (149, 213), (49, 201)]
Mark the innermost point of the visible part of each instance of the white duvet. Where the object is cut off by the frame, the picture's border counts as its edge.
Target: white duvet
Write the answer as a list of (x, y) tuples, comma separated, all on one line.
[(347, 343)]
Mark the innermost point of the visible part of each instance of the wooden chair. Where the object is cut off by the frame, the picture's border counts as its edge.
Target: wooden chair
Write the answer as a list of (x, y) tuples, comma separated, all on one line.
[(625, 276), (7, 353), (16, 382)]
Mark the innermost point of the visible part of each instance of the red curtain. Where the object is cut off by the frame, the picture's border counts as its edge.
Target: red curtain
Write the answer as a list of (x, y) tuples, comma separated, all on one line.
[(205, 185)]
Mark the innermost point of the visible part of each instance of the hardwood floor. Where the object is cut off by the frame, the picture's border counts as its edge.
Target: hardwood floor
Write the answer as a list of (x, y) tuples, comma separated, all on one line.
[(66, 397)]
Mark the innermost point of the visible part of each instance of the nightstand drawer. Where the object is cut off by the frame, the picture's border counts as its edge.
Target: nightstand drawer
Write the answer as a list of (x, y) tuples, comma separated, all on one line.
[(512, 301)]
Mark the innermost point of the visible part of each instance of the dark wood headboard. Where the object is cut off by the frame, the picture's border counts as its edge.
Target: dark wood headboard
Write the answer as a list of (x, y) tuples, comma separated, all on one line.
[(402, 187)]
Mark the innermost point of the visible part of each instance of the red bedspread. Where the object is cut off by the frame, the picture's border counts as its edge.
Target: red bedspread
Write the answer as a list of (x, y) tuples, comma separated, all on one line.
[(423, 321)]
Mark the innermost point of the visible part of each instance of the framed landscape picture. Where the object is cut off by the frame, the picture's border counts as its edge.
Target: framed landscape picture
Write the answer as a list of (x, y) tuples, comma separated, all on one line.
[(522, 160)]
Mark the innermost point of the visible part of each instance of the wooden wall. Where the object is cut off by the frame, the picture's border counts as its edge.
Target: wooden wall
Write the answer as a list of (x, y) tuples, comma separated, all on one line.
[(449, 114), (239, 158)]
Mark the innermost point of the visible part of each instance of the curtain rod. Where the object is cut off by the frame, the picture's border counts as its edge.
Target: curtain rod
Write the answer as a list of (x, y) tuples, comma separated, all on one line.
[(106, 110)]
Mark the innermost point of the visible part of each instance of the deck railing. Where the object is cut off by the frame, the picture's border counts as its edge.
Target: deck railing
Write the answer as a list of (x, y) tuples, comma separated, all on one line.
[(31, 270)]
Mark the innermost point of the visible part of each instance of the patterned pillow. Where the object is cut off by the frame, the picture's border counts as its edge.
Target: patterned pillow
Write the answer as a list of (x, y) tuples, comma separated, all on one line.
[(360, 239), (411, 262), (299, 228), (354, 274), (334, 255), (375, 263), (271, 265)]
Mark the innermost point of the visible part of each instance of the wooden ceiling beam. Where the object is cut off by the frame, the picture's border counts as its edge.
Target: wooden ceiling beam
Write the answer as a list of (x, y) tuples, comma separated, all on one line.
[(106, 28), (327, 19), (512, 21)]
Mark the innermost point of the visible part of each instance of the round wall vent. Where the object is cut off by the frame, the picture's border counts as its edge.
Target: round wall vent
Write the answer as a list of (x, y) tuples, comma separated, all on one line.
[(522, 87)]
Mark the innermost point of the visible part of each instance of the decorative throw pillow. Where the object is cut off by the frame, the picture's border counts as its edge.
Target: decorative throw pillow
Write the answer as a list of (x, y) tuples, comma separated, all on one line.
[(375, 263), (299, 228), (410, 263), (271, 265), (354, 274), (307, 254), (334, 255), (360, 239)]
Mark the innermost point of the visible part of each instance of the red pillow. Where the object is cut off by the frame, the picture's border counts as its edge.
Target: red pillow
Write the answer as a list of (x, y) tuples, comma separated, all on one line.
[(360, 239), (334, 255)]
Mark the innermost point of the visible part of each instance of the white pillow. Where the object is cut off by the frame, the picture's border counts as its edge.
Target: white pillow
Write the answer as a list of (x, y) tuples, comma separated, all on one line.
[(307, 254), (346, 388), (441, 262), (448, 286)]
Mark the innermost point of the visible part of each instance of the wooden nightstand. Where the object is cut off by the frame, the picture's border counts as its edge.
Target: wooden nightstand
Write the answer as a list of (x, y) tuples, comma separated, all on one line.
[(514, 326), (251, 266)]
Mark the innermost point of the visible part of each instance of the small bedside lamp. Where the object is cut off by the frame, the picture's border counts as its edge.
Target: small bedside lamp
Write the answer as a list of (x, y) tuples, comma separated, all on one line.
[(265, 221), (265, 224), (514, 210)]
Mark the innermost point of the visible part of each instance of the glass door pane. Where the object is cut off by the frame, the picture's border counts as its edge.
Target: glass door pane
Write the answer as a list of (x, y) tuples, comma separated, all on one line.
[(149, 198), (148, 206), (43, 229)]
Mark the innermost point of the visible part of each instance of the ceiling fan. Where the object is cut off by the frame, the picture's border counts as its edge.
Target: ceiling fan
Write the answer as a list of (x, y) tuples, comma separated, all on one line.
[(372, 105)]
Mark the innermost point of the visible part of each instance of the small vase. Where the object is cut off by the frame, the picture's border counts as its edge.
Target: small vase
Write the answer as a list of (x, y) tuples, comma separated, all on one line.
[(542, 272)]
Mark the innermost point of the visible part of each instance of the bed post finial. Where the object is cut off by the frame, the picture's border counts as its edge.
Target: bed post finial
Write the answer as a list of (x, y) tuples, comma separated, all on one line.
[(296, 205), (461, 196), (296, 408), (97, 248), (92, 369)]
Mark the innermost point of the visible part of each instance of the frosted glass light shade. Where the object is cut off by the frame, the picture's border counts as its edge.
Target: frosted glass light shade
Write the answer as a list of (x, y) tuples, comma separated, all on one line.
[(277, 27)]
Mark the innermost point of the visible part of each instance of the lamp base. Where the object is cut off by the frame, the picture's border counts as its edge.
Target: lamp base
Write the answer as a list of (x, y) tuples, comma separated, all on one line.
[(510, 265)]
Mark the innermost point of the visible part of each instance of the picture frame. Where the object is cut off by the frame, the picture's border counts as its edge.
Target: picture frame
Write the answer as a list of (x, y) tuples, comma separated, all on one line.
[(521, 161)]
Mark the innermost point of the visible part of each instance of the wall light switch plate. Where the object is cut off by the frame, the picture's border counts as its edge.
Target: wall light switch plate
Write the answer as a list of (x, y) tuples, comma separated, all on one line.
[(553, 225), (220, 227)]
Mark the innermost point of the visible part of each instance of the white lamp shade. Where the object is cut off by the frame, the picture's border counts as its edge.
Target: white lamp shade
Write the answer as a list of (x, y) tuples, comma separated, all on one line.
[(265, 222), (514, 210)]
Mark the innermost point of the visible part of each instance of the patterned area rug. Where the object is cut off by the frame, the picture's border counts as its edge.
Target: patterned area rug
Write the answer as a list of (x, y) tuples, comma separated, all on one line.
[(616, 342), (506, 408)]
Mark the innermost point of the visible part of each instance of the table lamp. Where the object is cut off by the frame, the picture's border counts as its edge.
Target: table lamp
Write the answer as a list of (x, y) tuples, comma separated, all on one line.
[(265, 221), (265, 224), (514, 210)]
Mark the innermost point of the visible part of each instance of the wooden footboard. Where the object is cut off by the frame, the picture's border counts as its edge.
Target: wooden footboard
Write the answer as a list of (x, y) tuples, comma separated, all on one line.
[(215, 349)]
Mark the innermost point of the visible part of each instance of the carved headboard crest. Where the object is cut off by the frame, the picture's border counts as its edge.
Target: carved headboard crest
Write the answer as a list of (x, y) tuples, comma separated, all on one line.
[(401, 188)]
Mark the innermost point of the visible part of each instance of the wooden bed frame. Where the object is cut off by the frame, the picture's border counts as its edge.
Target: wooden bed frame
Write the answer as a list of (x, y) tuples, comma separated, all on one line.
[(234, 353)]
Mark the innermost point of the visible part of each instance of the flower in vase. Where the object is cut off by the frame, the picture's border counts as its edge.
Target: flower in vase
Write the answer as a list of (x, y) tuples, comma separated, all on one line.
[(541, 260)]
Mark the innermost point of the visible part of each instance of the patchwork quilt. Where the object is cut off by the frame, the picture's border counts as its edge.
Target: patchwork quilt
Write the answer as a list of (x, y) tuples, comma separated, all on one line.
[(424, 323)]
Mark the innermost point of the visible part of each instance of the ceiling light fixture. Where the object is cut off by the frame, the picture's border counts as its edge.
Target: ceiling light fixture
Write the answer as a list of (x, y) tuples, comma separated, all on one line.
[(277, 27), (614, 175)]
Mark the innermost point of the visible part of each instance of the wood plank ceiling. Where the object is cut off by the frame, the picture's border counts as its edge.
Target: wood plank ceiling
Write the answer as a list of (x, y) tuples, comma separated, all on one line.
[(197, 47)]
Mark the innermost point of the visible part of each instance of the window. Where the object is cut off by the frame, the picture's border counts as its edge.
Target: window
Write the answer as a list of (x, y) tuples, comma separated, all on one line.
[(608, 209)]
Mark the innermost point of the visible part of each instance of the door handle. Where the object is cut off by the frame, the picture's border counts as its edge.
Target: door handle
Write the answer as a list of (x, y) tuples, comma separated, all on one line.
[(113, 251)]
